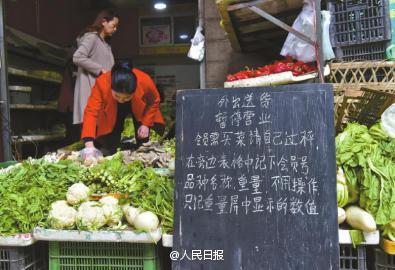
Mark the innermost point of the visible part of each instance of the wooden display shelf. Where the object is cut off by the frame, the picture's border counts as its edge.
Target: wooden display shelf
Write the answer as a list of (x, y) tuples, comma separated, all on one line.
[(37, 138), (249, 32), (32, 107), (39, 57), (30, 74)]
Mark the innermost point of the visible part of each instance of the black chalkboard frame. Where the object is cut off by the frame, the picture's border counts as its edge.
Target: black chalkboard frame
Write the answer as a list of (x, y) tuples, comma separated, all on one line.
[(255, 262)]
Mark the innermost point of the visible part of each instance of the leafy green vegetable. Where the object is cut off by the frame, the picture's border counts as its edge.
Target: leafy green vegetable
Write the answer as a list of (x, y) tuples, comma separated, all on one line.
[(367, 158), (389, 232), (356, 237), (28, 190), (147, 189), (154, 193)]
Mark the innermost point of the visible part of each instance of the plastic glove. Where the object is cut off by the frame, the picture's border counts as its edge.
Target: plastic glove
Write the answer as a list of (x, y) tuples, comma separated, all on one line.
[(90, 152)]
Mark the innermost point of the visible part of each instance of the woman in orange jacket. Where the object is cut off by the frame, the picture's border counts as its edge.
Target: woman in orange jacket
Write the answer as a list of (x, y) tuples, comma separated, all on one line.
[(122, 91)]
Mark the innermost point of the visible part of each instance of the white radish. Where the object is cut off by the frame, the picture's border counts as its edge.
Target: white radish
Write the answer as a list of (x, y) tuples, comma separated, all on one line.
[(146, 221), (341, 215), (131, 214), (359, 219)]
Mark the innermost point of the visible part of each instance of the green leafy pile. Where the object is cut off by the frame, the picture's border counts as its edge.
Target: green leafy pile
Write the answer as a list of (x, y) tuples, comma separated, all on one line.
[(129, 131), (146, 188), (170, 146), (27, 191), (367, 158), (154, 193), (113, 175)]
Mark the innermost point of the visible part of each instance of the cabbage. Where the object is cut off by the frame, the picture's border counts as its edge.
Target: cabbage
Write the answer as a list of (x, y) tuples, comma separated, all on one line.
[(90, 216), (77, 193), (367, 158), (61, 216)]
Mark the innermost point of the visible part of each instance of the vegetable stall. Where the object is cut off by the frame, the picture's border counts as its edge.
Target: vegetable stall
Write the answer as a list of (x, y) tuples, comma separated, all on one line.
[(60, 198), (123, 205)]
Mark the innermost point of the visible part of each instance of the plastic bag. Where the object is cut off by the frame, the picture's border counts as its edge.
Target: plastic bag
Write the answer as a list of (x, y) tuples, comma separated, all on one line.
[(304, 23), (388, 121), (326, 41), (90, 152), (196, 51)]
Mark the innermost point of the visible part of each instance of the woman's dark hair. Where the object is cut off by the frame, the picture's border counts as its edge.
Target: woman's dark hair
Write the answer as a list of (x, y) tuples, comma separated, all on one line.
[(123, 80), (106, 15)]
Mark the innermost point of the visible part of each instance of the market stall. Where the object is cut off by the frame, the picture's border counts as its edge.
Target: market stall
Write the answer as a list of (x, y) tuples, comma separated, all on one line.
[(268, 156)]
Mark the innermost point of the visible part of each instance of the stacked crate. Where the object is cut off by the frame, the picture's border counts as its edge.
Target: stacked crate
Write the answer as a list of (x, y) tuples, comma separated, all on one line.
[(383, 261), (102, 255), (32, 257), (360, 29)]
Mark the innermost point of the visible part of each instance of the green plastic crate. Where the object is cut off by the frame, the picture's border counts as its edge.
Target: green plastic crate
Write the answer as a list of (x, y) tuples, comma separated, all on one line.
[(101, 255)]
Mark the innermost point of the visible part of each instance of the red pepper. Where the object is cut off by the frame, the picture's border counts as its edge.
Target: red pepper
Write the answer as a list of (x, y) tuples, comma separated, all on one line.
[(230, 78), (265, 70), (297, 71), (280, 67), (241, 76)]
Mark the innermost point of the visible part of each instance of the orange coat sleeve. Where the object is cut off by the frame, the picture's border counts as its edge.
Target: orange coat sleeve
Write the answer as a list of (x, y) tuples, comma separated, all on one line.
[(152, 98), (91, 113)]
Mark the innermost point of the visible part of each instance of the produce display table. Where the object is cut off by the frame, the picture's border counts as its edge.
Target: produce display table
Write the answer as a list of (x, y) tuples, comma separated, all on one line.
[(167, 240), (372, 238), (126, 236), (18, 240)]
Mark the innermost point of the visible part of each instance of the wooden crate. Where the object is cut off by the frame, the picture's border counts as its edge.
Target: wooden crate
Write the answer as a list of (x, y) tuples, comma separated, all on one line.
[(249, 32), (364, 106), (376, 75)]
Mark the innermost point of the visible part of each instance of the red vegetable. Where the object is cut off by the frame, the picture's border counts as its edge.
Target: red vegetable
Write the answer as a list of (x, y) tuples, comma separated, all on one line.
[(287, 64)]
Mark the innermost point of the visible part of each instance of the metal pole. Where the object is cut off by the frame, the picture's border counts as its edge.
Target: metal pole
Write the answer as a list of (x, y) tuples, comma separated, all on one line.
[(4, 101), (203, 63), (279, 23), (319, 48)]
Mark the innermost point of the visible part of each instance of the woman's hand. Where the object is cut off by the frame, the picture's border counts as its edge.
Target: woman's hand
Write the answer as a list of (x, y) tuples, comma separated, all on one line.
[(102, 71), (90, 151), (89, 144), (143, 132)]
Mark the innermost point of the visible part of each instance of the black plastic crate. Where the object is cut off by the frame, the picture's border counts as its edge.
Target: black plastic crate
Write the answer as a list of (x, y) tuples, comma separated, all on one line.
[(383, 261), (359, 21), (352, 258), (364, 52), (34, 257)]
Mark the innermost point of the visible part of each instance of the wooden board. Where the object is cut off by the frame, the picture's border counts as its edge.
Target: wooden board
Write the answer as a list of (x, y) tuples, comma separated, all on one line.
[(240, 22), (255, 179)]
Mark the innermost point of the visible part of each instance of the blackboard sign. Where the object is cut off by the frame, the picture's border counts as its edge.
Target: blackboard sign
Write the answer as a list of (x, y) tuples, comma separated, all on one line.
[(255, 179)]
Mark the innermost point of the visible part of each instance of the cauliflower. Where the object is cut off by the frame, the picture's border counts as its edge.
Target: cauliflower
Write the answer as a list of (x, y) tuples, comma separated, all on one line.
[(90, 216), (61, 216), (109, 200), (77, 193), (112, 211), (130, 213)]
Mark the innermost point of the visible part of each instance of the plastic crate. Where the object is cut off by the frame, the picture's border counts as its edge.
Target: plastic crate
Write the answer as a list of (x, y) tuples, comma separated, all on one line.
[(352, 258), (101, 255), (383, 261), (363, 52), (32, 257), (359, 21)]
